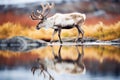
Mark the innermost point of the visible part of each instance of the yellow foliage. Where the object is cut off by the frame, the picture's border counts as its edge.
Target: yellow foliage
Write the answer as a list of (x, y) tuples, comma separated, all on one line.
[(99, 31), (102, 31)]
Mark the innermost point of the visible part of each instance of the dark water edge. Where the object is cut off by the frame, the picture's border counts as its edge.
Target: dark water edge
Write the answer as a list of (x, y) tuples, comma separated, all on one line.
[(21, 43)]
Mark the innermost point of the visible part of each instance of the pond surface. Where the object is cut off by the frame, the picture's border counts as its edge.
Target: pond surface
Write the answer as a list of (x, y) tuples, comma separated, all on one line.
[(22, 58), (61, 63)]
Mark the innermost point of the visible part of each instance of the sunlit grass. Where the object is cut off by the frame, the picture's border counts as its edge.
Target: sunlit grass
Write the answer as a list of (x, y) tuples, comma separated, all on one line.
[(98, 31), (8, 30), (102, 31)]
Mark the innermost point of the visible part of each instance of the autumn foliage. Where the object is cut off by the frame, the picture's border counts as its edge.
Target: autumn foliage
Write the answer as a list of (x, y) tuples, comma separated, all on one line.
[(12, 24), (98, 31)]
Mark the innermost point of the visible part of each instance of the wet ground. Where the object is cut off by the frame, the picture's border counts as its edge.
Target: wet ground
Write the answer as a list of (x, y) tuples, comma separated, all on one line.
[(26, 59)]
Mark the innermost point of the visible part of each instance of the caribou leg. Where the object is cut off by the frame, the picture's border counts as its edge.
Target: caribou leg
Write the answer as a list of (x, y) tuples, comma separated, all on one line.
[(55, 56), (79, 60), (59, 52), (79, 31), (59, 35), (80, 55), (55, 31), (82, 32)]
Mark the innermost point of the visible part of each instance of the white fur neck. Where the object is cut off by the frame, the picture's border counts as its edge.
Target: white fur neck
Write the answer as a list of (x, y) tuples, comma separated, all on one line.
[(48, 23)]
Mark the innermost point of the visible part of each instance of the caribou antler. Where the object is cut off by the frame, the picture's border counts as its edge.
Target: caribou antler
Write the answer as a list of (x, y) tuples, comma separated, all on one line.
[(35, 17), (41, 14)]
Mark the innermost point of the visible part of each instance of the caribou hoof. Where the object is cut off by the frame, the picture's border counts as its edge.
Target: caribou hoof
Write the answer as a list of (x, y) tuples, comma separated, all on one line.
[(61, 42), (51, 42), (76, 41), (82, 41)]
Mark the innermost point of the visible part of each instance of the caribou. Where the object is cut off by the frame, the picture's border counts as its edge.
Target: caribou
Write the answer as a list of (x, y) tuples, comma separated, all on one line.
[(58, 21)]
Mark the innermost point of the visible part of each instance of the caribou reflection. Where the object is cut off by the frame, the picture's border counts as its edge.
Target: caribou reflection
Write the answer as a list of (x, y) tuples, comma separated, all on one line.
[(59, 65)]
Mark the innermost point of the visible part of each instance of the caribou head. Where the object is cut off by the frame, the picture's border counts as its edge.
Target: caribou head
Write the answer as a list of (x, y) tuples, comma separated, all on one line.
[(41, 15)]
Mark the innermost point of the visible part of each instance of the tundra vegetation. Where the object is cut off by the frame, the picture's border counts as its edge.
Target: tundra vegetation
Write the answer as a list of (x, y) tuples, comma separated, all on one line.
[(99, 31)]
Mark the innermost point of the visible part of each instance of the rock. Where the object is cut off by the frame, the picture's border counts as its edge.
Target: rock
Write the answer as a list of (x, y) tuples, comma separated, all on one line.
[(20, 43)]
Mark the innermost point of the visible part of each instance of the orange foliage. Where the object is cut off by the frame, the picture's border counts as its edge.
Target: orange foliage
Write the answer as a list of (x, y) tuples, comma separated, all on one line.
[(24, 19), (108, 20), (16, 19)]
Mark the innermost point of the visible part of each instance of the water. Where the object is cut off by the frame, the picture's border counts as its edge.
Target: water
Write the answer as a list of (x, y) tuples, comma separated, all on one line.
[(57, 62), (62, 63)]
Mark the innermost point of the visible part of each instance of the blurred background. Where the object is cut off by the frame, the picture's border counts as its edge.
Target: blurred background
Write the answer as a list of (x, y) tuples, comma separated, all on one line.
[(16, 11), (102, 23)]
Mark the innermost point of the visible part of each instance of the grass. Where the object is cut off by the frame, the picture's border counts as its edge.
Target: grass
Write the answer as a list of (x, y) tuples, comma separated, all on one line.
[(102, 31), (98, 31)]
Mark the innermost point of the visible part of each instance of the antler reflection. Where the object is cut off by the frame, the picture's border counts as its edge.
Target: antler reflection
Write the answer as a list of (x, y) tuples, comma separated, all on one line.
[(43, 69)]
